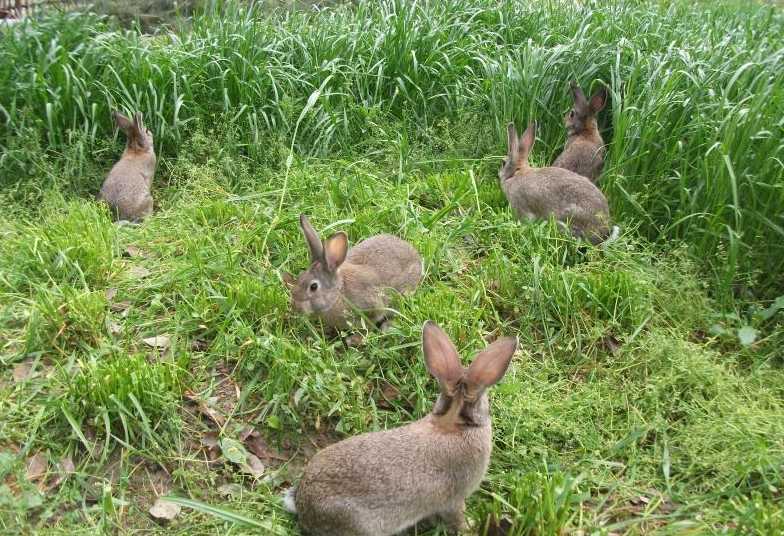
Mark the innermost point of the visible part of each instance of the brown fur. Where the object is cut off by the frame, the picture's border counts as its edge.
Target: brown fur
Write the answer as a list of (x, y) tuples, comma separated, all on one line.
[(362, 279), (539, 193), (584, 151), (380, 483), (127, 188)]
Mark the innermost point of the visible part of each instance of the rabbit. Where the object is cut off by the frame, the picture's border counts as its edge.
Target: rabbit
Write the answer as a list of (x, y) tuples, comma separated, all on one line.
[(538, 193), (380, 483), (584, 151), (341, 281), (127, 188)]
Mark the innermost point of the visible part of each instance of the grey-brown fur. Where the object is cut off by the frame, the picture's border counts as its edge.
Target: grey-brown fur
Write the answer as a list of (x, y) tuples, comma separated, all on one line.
[(539, 193), (380, 483), (584, 151), (127, 188), (363, 279)]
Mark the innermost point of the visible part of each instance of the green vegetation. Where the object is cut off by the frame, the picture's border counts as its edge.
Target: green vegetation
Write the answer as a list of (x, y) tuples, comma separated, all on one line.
[(647, 395)]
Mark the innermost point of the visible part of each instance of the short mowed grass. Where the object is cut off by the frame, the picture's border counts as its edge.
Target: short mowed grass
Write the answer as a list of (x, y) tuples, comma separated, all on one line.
[(648, 392)]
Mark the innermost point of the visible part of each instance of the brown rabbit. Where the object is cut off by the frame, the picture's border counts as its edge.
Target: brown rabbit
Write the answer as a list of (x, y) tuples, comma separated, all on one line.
[(127, 188), (380, 483), (538, 193), (584, 151), (364, 278)]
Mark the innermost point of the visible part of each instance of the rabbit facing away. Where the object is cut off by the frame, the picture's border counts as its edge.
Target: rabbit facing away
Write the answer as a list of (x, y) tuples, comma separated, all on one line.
[(127, 188), (538, 193), (341, 281), (584, 151), (380, 483)]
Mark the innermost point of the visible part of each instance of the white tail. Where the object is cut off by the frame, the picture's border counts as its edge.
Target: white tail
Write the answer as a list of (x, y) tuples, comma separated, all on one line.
[(614, 234), (288, 500)]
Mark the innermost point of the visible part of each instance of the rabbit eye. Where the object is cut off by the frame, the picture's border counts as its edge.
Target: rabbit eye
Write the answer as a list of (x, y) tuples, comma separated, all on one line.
[(314, 286)]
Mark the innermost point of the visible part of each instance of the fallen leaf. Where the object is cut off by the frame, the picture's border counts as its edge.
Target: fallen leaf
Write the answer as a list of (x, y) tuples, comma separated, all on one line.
[(23, 371), (230, 490), (115, 328), (253, 466), (389, 393), (498, 526), (36, 467), (138, 272), (210, 440), (164, 510), (121, 307), (159, 341), (205, 409), (110, 293), (199, 345), (233, 450), (66, 467), (133, 251), (612, 344)]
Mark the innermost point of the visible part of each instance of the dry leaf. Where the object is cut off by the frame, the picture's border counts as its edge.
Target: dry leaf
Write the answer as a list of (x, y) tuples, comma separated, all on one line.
[(23, 371), (164, 510), (36, 467), (115, 328), (133, 251), (121, 307), (66, 467), (260, 448), (138, 272), (498, 527), (253, 466), (612, 343), (159, 341), (205, 409), (389, 393), (110, 293)]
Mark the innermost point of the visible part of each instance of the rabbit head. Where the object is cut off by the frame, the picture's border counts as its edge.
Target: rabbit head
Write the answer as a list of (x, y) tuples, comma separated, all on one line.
[(582, 115), (517, 150), (139, 138), (318, 288), (463, 400)]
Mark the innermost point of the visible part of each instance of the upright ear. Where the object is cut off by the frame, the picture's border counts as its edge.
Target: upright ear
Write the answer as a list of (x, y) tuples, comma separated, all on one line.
[(122, 122), (335, 249), (579, 96), (598, 100), (312, 238), (527, 141), (441, 356), (512, 143), (289, 280), (490, 364)]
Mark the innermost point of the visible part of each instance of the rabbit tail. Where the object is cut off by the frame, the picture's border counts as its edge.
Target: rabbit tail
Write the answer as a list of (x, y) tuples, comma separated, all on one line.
[(288, 500), (614, 234)]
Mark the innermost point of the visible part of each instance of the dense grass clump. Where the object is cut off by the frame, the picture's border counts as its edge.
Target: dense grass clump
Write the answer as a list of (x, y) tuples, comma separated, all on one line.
[(647, 393)]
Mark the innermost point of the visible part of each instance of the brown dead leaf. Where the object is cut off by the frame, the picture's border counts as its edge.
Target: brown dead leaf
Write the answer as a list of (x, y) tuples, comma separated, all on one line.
[(253, 466), (205, 409), (121, 307), (258, 446), (65, 467), (110, 293), (138, 272), (164, 510), (498, 526), (115, 328), (37, 466), (388, 395), (230, 490), (133, 251), (23, 371), (612, 344), (162, 342)]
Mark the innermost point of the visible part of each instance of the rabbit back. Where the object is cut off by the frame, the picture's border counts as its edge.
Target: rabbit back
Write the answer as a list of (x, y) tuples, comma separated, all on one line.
[(584, 157), (541, 193), (380, 483), (127, 188), (394, 262)]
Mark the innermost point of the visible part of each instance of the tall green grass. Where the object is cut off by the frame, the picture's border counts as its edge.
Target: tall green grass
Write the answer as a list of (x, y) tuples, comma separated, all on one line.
[(694, 124)]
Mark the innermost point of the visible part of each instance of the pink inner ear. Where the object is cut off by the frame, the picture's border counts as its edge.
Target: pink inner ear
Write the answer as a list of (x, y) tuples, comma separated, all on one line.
[(441, 356)]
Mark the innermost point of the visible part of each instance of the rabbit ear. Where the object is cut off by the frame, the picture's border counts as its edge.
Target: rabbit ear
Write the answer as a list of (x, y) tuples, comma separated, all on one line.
[(579, 96), (490, 364), (289, 280), (512, 141), (122, 122), (312, 238), (599, 99), (335, 249), (527, 141), (441, 356)]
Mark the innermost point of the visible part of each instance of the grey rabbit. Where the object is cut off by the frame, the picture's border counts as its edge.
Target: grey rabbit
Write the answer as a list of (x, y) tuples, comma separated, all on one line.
[(127, 188), (584, 151), (364, 278), (538, 193), (380, 483)]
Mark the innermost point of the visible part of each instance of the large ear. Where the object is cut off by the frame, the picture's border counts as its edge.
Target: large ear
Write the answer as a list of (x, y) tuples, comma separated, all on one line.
[(441, 356), (579, 96), (335, 249), (527, 140), (312, 238), (122, 122), (490, 364), (289, 280), (598, 100), (512, 141)]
